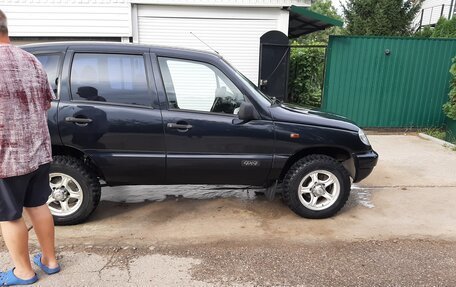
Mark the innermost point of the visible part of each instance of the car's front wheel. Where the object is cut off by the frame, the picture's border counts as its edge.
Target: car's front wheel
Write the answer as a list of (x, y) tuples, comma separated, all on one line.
[(317, 186), (75, 190)]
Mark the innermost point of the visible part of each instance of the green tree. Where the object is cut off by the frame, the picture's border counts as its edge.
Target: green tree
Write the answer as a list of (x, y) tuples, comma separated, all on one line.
[(425, 32), (449, 108), (306, 76), (326, 8), (381, 17), (445, 28)]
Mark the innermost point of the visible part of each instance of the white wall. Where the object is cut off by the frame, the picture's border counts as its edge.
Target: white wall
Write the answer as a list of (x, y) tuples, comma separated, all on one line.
[(431, 3), (238, 3), (233, 27), (97, 18), (68, 18), (433, 10), (233, 31)]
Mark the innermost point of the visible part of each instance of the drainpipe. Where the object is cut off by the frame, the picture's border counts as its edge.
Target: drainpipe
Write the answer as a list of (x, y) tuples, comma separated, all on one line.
[(421, 20), (450, 14)]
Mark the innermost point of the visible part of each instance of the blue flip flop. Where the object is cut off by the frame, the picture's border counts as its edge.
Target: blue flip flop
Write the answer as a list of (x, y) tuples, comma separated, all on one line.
[(47, 270), (9, 279)]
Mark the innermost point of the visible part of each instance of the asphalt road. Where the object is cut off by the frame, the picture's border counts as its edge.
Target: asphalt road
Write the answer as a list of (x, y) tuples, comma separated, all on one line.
[(398, 229)]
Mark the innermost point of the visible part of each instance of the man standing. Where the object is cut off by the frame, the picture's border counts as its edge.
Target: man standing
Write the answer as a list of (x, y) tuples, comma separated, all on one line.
[(25, 156)]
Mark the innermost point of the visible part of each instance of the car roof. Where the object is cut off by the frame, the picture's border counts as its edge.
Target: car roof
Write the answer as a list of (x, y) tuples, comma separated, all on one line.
[(110, 46)]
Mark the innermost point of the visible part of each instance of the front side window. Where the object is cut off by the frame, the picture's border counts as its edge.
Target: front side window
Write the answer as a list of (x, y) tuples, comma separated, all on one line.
[(198, 86), (110, 78), (50, 64)]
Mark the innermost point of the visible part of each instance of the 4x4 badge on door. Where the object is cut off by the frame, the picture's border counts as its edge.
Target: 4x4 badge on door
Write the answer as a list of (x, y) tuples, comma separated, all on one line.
[(250, 163)]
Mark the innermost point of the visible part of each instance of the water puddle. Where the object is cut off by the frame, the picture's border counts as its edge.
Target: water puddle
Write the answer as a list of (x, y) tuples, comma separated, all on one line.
[(145, 193), (362, 196)]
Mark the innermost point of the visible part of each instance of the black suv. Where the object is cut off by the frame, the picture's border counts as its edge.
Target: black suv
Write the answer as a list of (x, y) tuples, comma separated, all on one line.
[(129, 114)]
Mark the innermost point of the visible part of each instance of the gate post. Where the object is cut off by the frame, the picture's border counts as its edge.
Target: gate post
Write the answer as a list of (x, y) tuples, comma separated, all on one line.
[(273, 66)]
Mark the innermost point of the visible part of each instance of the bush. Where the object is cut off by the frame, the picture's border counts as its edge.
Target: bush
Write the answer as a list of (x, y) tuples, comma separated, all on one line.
[(426, 32), (306, 76), (445, 28), (307, 64), (450, 107)]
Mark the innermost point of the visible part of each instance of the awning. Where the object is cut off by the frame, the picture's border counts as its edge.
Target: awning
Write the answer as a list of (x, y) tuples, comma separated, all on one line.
[(303, 21)]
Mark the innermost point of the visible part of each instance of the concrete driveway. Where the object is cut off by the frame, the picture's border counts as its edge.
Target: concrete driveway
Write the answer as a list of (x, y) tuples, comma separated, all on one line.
[(398, 229)]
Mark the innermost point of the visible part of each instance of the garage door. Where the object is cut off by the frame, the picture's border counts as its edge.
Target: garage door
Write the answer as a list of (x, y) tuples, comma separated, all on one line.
[(234, 32)]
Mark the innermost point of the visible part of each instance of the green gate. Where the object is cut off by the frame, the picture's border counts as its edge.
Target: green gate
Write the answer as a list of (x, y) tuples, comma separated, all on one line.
[(388, 82)]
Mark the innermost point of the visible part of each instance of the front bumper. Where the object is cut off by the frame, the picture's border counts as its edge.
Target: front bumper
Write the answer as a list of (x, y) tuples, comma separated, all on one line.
[(364, 163)]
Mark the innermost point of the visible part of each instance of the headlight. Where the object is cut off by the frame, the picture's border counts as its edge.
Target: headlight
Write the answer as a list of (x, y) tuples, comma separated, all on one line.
[(363, 137)]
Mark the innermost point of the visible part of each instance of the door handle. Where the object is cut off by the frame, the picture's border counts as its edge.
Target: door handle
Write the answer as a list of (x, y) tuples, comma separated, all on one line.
[(83, 121), (179, 126)]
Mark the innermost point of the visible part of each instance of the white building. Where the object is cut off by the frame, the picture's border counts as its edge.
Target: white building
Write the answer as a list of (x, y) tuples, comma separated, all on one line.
[(231, 27), (432, 10)]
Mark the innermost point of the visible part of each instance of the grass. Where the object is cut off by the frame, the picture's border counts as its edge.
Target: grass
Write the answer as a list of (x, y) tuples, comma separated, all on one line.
[(434, 132), (437, 133)]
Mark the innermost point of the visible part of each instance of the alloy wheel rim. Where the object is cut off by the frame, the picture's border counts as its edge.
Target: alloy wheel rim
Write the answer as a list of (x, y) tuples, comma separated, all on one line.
[(319, 190), (66, 196)]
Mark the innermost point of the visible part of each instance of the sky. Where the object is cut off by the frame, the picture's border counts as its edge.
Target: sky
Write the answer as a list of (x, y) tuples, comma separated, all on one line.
[(336, 4)]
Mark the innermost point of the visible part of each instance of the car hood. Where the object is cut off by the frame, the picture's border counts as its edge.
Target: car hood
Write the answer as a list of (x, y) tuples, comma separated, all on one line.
[(297, 114)]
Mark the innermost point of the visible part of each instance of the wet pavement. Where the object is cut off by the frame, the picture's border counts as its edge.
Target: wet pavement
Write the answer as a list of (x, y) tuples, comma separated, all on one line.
[(140, 194), (397, 229), (147, 193)]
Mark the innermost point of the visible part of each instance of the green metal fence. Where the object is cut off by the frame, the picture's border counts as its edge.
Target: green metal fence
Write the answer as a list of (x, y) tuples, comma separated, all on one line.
[(388, 82)]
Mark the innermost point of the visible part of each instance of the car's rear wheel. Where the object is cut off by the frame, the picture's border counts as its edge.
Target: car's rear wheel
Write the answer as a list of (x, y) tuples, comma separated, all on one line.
[(75, 189), (316, 187)]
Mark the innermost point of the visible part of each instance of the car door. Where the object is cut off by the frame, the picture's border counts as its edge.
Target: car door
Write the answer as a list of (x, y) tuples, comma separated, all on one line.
[(109, 111), (52, 62), (205, 140)]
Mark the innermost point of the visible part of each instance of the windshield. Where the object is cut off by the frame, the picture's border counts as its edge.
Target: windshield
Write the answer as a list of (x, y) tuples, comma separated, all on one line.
[(253, 88)]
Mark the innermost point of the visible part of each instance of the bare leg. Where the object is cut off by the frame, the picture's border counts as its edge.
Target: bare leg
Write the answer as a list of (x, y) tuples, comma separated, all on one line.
[(15, 234), (43, 224)]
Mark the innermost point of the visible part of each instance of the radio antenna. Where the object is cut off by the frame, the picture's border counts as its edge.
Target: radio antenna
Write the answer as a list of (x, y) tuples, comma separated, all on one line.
[(205, 43)]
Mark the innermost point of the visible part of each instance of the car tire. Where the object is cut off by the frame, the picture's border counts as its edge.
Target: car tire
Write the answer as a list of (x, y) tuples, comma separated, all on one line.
[(316, 187), (76, 184)]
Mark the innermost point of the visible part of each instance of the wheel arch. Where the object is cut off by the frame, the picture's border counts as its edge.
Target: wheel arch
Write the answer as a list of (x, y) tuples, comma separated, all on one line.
[(341, 155), (76, 153)]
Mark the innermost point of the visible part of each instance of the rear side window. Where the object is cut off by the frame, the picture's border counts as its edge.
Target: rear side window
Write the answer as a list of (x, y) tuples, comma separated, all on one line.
[(51, 63), (112, 78)]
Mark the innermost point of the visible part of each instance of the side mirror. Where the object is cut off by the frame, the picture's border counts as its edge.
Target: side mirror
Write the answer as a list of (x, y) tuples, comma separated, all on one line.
[(247, 112)]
